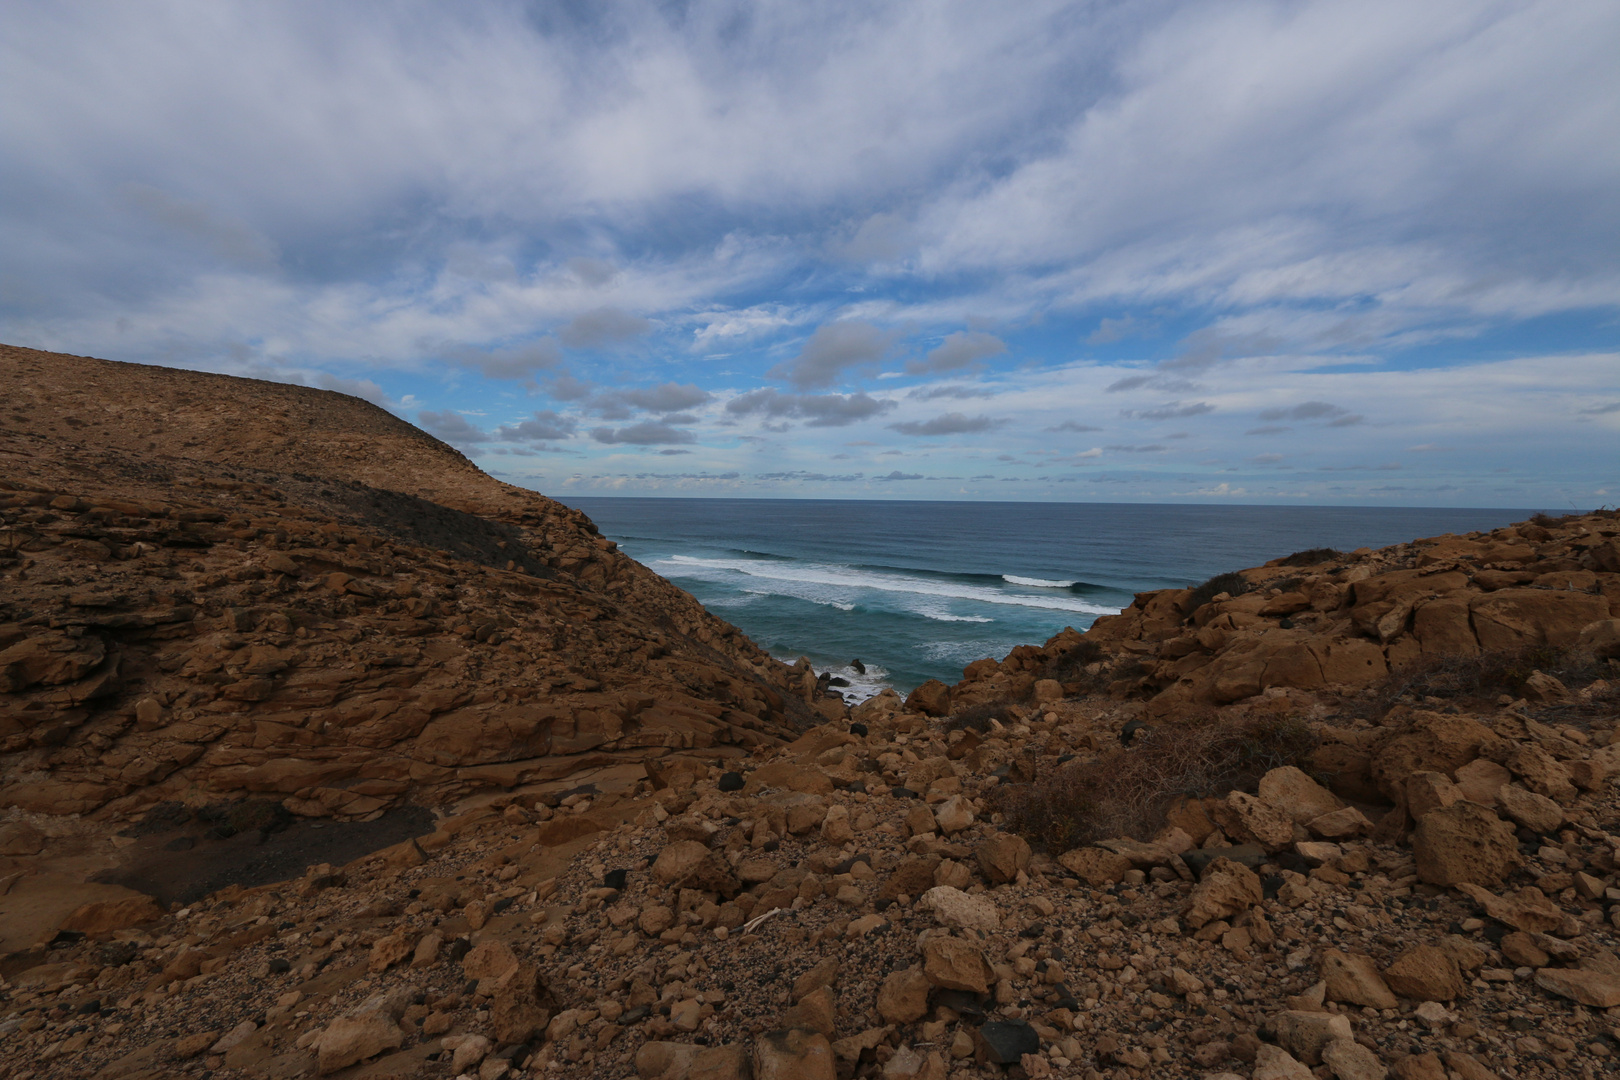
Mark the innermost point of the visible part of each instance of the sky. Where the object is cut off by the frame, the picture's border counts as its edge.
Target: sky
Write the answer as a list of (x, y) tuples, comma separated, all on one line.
[(1149, 251)]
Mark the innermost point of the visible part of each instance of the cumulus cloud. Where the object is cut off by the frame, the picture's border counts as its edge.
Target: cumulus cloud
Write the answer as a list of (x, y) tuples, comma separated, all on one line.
[(512, 362), (452, 427), (647, 433), (898, 475), (960, 350), (543, 426), (604, 326), (954, 423), (666, 398), (833, 349), (819, 410)]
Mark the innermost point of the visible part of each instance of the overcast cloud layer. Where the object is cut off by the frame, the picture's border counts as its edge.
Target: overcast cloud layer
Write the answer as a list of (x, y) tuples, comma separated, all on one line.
[(1251, 252)]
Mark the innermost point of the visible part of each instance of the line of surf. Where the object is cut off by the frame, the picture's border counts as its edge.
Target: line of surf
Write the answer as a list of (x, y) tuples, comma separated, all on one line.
[(819, 574)]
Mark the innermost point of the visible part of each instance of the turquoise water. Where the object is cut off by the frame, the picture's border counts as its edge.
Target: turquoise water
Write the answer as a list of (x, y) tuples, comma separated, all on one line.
[(916, 590)]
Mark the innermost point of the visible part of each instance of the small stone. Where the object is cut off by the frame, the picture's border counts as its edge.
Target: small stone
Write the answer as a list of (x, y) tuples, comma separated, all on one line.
[(1596, 989), (1349, 1060), (903, 997), (1002, 857), (1535, 812), (953, 815), (793, 1054), (1420, 1067), (1424, 973), (1095, 866), (956, 965), (354, 1038), (1306, 1034), (1226, 889), (1272, 1063), (1005, 1042), (1354, 978), (955, 908), (471, 1050), (1521, 949)]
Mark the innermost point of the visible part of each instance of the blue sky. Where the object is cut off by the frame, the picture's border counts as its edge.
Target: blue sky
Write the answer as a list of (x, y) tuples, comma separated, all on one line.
[(1247, 252)]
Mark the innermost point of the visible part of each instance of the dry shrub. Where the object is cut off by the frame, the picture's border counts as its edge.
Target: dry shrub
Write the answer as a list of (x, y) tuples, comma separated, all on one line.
[(1483, 678), (1071, 666), (1313, 557), (1234, 584), (1128, 791), (977, 717)]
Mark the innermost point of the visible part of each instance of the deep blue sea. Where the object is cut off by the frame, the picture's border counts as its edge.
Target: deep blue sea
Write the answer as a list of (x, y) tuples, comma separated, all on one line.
[(916, 590)]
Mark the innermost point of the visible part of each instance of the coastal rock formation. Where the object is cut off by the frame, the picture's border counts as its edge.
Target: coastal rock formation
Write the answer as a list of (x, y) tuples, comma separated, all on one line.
[(1382, 839), (227, 586)]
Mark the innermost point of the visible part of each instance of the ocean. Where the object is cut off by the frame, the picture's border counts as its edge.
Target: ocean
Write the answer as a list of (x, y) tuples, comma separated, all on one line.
[(916, 590)]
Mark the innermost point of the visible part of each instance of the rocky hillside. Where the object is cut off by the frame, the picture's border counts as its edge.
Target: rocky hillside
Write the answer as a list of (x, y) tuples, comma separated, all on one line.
[(1095, 858)]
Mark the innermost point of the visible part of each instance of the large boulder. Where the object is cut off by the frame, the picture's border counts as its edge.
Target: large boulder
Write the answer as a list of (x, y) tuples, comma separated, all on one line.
[(1464, 842), (1433, 742), (932, 698), (1425, 973), (1510, 619), (1289, 790)]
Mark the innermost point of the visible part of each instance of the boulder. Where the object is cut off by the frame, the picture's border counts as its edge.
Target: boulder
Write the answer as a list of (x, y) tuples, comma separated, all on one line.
[(1002, 857), (1306, 1034), (689, 864), (105, 916), (20, 838), (1427, 790), (1481, 781), (1464, 843), (1246, 817), (1512, 619), (1290, 791), (954, 964), (1595, 989), (1541, 772), (1535, 812), (953, 815), (1273, 1063), (1227, 888), (959, 910), (903, 997), (1434, 742), (1601, 639), (1528, 909), (1354, 978), (793, 1054), (1349, 1060), (932, 698), (1095, 866), (1425, 973), (350, 1039), (1346, 821)]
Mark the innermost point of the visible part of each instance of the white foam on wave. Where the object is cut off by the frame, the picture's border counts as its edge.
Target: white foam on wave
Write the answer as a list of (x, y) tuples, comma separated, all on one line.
[(1037, 583), (846, 577)]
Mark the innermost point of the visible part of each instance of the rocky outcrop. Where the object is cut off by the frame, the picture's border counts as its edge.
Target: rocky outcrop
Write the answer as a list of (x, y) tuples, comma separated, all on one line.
[(222, 586)]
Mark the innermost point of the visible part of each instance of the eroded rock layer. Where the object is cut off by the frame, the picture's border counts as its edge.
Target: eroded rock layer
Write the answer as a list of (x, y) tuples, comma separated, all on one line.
[(218, 585)]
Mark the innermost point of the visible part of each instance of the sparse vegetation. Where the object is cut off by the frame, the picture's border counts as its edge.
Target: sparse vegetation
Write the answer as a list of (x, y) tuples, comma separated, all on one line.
[(1233, 584), (1071, 666), (1481, 679), (1313, 557), (977, 717), (1127, 792)]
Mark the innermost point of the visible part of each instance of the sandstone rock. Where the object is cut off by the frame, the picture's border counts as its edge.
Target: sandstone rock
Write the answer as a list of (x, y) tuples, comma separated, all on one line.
[(1467, 1067), (1521, 950), (1002, 857), (1427, 790), (1349, 1060), (1342, 823), (689, 864), (656, 1060), (1420, 1067), (955, 964), (350, 1039), (20, 838), (1535, 812), (1596, 989), (1274, 1063), (1511, 619), (955, 908), (726, 1062), (1601, 638), (835, 827), (824, 973), (1435, 742), (489, 960), (1541, 772), (521, 1005), (1290, 791), (793, 1054), (468, 1051), (1095, 866), (1528, 909), (1245, 817), (1354, 978), (390, 950), (953, 815), (1425, 973), (1227, 888), (105, 916), (427, 949), (1482, 781), (932, 698), (1306, 1034), (1464, 843), (903, 997)]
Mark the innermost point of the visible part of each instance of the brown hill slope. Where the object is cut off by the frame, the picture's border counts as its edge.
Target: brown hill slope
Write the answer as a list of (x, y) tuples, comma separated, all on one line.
[(216, 586)]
